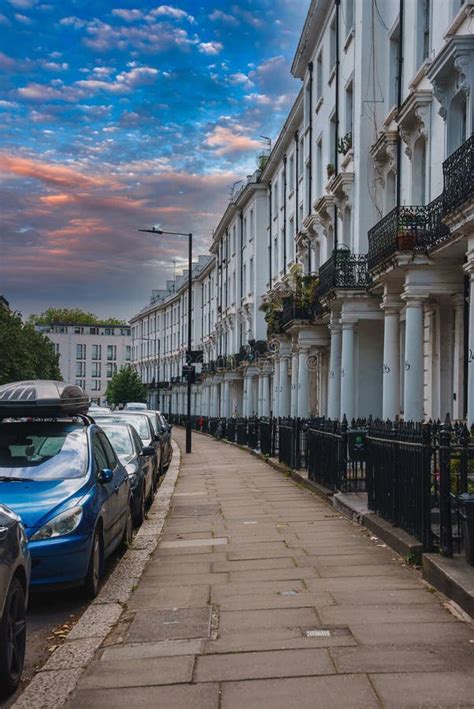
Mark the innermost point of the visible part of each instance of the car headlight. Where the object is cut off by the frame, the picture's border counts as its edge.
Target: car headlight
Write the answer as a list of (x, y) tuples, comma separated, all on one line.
[(22, 534), (62, 524)]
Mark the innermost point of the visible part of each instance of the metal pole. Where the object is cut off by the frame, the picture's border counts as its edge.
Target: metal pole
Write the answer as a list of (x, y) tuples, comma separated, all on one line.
[(190, 292)]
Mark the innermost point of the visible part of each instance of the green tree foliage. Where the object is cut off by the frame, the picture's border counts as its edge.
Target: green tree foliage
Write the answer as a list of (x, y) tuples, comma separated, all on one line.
[(70, 316), (24, 353), (125, 386)]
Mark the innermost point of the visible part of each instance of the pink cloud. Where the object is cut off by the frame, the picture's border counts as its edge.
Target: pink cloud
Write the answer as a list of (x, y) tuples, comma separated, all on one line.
[(226, 141)]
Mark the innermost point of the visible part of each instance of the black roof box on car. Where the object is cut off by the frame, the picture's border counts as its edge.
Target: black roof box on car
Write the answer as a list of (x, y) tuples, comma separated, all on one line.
[(41, 398)]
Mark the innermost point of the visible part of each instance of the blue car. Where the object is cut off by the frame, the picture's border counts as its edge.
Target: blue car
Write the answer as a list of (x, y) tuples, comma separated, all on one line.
[(65, 481)]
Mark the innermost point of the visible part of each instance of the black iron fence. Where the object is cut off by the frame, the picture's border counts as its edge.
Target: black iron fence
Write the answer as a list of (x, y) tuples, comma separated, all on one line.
[(413, 473)]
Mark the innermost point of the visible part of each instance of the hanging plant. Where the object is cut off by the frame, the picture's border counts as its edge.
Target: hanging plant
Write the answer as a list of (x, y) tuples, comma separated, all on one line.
[(344, 144)]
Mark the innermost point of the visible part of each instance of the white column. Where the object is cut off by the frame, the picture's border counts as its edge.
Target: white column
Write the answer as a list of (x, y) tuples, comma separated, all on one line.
[(303, 383), (458, 359), (470, 359), (260, 396), (276, 387), (413, 385), (265, 394), (391, 360), (250, 401), (245, 396), (284, 398), (347, 371), (334, 383), (294, 382), (226, 408)]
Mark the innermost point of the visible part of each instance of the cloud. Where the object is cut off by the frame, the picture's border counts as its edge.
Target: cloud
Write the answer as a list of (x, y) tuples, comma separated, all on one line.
[(7, 104), (128, 15), (50, 174), (248, 17), (226, 141), (23, 19), (219, 16), (4, 20), (75, 22), (240, 79), (210, 48), (173, 12), (22, 4), (55, 66)]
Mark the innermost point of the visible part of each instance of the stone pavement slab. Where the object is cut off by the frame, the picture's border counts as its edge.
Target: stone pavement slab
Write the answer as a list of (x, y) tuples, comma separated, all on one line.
[(260, 595)]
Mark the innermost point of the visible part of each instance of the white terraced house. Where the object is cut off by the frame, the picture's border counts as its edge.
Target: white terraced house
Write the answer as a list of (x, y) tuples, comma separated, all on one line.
[(340, 275)]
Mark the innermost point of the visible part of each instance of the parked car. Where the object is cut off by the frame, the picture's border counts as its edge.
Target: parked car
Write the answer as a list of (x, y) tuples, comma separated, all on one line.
[(138, 462), (144, 427), (59, 472), (14, 581), (163, 430), (135, 406), (96, 409)]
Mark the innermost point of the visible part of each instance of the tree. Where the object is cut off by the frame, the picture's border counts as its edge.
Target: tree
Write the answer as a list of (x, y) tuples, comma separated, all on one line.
[(125, 386), (71, 316), (24, 353)]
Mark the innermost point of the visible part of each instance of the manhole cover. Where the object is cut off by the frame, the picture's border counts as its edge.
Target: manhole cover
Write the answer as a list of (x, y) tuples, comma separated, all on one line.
[(179, 624), (318, 633), (331, 632)]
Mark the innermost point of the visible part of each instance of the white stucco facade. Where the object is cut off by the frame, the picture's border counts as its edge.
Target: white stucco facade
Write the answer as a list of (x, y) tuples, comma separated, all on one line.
[(366, 203)]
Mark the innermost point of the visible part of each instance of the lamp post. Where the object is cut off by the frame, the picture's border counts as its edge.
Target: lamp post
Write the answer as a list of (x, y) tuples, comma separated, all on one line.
[(190, 295)]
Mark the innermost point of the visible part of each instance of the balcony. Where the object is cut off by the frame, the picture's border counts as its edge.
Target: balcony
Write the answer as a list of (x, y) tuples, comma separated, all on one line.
[(208, 367), (458, 174), (293, 312), (176, 380), (343, 270)]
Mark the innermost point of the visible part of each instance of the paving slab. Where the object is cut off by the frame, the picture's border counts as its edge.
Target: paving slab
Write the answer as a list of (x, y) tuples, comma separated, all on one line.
[(151, 597), (109, 674), (197, 696), (261, 665), (176, 624), (450, 690)]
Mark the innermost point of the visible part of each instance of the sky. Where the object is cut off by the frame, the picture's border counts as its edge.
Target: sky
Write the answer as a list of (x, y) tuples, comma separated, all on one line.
[(120, 114)]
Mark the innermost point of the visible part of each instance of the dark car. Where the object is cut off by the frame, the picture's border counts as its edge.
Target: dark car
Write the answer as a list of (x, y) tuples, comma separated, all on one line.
[(164, 431), (138, 462), (145, 429), (62, 476), (14, 581)]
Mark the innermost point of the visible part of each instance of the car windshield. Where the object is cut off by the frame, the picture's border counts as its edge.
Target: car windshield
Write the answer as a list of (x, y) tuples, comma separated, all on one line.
[(119, 436), (139, 422), (41, 450)]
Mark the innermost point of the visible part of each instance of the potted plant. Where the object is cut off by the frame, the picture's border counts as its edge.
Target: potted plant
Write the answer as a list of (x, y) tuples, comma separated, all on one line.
[(344, 144), (406, 231), (330, 169)]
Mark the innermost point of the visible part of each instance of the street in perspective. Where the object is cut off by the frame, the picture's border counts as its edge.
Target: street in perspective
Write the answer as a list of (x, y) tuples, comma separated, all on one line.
[(236, 354)]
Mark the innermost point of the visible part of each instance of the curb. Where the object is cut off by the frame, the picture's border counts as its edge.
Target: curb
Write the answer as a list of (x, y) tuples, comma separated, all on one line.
[(52, 686)]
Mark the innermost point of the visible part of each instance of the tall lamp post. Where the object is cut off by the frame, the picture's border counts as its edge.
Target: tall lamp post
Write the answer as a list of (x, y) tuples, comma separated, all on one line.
[(189, 370)]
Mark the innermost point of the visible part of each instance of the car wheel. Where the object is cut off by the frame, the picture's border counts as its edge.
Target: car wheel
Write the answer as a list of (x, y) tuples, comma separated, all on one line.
[(94, 570), (128, 531), (12, 639), (140, 513)]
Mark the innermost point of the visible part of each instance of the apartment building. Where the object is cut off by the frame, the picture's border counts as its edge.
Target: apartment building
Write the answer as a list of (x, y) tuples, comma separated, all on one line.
[(90, 355), (340, 281)]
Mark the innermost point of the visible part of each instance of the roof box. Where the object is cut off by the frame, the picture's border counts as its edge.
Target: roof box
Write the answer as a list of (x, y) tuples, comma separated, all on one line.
[(41, 398)]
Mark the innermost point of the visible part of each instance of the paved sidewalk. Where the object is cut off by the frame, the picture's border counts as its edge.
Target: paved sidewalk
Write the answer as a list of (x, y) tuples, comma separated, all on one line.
[(260, 595)]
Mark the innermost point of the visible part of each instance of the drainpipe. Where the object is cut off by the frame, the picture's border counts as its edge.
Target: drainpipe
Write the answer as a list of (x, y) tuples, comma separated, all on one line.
[(297, 188), (226, 277), (284, 215), (399, 103), (310, 176), (336, 118), (241, 269), (270, 219)]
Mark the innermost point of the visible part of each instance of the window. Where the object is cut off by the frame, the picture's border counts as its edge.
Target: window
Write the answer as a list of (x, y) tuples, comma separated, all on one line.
[(128, 353), (319, 168), (56, 348), (349, 108), (394, 66), (94, 330), (96, 369), (419, 172), (251, 276), (98, 453), (251, 219), (80, 383), (301, 158), (80, 351), (282, 190), (244, 275), (111, 352), (244, 231), (332, 45), (307, 103), (291, 173), (308, 187), (319, 76), (80, 369), (111, 369), (349, 15), (275, 197), (96, 384), (78, 330), (332, 139), (233, 239), (108, 331), (96, 351), (423, 31)]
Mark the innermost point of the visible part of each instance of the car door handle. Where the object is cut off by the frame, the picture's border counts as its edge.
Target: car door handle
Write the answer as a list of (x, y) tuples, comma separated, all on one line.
[(116, 487)]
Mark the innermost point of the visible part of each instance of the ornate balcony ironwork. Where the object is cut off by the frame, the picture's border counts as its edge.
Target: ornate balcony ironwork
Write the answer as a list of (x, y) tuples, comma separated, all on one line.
[(176, 380), (343, 270), (458, 173), (402, 229), (274, 324), (208, 367)]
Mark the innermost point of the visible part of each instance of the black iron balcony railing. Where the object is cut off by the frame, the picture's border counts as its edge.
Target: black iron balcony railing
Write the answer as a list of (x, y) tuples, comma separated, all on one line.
[(220, 363), (343, 270), (402, 229), (176, 380), (208, 367), (458, 174)]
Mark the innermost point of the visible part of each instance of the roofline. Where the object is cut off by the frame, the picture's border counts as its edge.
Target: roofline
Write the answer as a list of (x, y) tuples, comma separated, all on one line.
[(240, 201), (312, 29), (289, 127)]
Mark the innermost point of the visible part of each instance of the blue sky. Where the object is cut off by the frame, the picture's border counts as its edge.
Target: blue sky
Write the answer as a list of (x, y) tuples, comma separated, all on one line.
[(121, 114)]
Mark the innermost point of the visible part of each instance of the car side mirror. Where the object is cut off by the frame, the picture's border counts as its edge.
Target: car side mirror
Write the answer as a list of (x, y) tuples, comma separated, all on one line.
[(157, 437), (148, 451), (105, 476)]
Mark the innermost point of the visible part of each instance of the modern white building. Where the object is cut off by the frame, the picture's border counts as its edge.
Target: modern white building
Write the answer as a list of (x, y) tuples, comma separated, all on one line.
[(90, 355), (354, 243)]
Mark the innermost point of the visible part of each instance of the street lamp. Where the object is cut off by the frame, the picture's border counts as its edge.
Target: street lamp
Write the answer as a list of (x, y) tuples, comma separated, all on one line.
[(190, 295)]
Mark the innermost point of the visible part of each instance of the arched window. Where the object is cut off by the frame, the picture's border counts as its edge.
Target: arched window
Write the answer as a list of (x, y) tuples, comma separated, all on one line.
[(390, 194), (457, 120), (419, 172), (346, 227)]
